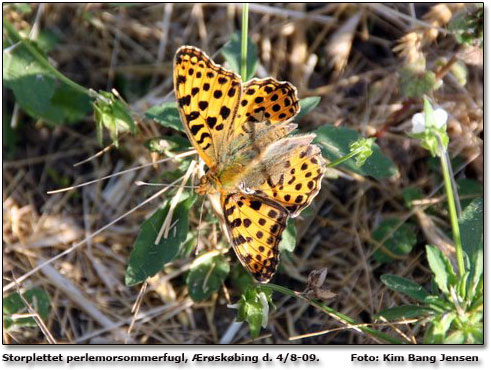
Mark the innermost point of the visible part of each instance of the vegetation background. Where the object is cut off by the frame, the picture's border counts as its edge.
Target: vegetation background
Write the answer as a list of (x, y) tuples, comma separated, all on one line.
[(362, 70)]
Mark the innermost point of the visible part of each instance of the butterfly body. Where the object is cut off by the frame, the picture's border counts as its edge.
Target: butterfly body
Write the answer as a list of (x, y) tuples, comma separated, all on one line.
[(241, 131), (215, 181)]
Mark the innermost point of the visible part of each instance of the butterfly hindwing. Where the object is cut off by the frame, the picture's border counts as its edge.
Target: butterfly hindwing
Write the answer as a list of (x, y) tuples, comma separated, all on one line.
[(255, 226), (288, 172), (207, 97), (296, 180)]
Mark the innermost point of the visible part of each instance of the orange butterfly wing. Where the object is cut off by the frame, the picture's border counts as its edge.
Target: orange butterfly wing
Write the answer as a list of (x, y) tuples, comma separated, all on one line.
[(207, 97)]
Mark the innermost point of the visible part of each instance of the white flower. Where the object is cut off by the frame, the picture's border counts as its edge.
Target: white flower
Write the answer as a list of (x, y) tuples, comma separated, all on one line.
[(441, 117), (418, 120)]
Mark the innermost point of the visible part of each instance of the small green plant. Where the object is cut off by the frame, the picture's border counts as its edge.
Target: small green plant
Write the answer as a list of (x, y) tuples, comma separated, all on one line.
[(468, 26), (453, 311), (45, 93), (346, 148), (14, 308), (253, 307), (113, 115)]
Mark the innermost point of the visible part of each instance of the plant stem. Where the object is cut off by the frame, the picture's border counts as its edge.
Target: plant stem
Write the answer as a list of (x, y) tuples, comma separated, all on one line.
[(344, 158), (245, 24), (346, 320), (444, 70), (42, 60), (452, 210)]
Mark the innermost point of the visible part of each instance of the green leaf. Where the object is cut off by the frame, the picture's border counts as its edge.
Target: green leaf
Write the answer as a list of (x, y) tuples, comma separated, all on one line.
[(32, 83), (289, 237), (307, 105), (167, 144), (456, 337), (430, 120), (406, 286), (253, 307), (474, 291), (468, 188), (435, 165), (475, 334), (67, 105), (410, 194), (188, 247), (207, 274), (240, 278), (47, 40), (232, 54), (148, 258), (438, 304), (441, 267), (13, 304), (405, 312), (253, 314), (441, 325), (335, 143), (471, 224), (167, 115), (398, 241), (37, 91)]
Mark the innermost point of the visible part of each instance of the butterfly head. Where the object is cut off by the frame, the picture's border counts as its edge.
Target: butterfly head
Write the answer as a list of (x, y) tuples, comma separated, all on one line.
[(208, 184)]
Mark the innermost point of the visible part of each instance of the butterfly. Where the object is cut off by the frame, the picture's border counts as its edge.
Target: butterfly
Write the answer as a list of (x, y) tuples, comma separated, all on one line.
[(241, 132)]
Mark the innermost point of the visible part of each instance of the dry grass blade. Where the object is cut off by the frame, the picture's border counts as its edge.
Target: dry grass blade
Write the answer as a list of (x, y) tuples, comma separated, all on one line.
[(181, 155), (287, 13), (164, 230), (97, 232), (66, 286), (323, 332)]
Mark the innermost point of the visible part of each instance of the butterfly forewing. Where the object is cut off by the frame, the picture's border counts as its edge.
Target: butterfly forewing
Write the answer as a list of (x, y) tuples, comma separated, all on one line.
[(207, 97)]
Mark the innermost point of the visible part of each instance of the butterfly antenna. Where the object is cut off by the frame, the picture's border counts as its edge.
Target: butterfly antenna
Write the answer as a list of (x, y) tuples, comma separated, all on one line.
[(143, 183), (98, 154), (181, 155)]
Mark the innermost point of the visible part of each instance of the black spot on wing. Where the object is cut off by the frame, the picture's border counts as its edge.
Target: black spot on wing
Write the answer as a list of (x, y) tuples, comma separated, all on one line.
[(224, 112), (255, 205), (195, 129), (211, 121)]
